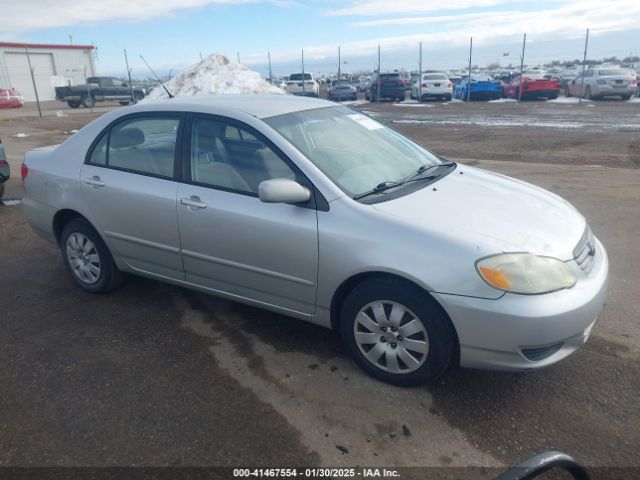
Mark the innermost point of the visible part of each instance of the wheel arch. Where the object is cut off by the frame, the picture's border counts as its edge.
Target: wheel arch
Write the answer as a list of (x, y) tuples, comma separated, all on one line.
[(352, 282), (64, 216)]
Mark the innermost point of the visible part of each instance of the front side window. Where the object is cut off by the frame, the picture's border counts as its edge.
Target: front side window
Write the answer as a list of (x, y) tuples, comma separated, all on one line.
[(356, 152), (144, 145), (230, 157)]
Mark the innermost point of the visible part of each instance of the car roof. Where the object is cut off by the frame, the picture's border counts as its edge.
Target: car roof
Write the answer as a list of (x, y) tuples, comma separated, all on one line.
[(257, 105)]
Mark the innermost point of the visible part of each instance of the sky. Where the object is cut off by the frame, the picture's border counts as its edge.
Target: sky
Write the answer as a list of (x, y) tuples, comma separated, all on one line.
[(172, 34)]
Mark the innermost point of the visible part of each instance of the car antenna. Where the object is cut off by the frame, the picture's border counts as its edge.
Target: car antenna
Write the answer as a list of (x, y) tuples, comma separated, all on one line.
[(157, 78)]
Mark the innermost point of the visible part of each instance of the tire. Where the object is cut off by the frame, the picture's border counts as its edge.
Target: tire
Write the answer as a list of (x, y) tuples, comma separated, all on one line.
[(625, 97), (553, 97), (79, 237), (88, 101), (517, 93), (422, 357), (587, 93), (73, 104), (1, 189), (567, 92), (124, 104), (447, 98)]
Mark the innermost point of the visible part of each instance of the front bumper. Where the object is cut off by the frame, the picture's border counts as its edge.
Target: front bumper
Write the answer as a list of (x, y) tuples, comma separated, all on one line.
[(501, 334)]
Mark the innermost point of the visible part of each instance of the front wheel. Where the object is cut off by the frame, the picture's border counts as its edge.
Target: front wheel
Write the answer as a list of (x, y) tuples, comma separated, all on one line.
[(88, 259), (1, 189), (396, 332), (587, 93)]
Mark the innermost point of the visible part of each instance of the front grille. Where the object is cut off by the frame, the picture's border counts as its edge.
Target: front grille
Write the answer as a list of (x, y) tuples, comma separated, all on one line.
[(540, 353), (585, 251)]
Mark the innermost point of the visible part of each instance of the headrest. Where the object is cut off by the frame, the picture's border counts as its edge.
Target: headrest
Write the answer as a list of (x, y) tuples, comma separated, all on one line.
[(126, 137)]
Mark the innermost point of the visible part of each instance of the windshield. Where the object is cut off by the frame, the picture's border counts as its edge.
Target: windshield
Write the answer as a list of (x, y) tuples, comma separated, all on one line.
[(355, 151), (298, 76), (612, 71), (434, 76)]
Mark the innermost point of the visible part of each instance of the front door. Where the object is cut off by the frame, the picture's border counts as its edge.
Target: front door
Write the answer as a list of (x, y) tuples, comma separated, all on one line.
[(129, 184), (231, 241)]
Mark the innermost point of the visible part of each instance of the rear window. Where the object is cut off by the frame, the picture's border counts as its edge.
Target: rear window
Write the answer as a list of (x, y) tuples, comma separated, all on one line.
[(435, 76), (298, 76), (611, 71), (389, 76)]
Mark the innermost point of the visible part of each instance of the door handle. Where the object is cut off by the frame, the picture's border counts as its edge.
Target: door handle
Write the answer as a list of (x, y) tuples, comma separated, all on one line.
[(193, 202), (94, 181)]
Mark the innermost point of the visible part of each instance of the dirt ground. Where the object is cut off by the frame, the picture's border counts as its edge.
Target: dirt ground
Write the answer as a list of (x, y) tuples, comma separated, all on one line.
[(157, 375)]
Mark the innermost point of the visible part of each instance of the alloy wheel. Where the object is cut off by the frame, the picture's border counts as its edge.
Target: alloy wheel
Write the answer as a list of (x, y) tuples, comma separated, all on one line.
[(83, 258), (391, 337)]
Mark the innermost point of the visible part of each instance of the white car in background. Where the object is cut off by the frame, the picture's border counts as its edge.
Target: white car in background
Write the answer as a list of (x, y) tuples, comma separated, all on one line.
[(434, 85), (603, 82), (303, 84)]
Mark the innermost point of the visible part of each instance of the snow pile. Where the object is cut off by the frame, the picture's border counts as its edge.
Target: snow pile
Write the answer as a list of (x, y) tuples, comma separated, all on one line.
[(214, 75)]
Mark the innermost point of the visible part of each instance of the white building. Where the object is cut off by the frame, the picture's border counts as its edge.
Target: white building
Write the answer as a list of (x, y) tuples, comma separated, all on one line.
[(53, 66)]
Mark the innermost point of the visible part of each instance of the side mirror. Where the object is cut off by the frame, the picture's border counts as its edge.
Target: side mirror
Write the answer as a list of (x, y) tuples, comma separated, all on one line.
[(282, 190)]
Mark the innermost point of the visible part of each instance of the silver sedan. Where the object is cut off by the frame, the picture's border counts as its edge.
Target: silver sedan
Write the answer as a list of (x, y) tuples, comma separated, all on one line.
[(318, 211)]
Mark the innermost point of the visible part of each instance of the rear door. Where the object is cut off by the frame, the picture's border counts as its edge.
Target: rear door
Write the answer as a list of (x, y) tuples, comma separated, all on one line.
[(129, 184), (232, 242)]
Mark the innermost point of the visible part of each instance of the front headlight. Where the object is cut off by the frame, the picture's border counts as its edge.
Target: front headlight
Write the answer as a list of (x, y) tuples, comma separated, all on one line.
[(525, 273)]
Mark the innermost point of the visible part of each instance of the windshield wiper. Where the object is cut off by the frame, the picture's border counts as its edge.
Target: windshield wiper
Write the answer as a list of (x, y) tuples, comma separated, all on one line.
[(381, 187)]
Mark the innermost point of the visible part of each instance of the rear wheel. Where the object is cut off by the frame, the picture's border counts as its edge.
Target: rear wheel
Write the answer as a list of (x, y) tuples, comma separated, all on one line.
[(88, 258), (626, 97), (587, 93), (74, 104), (567, 92), (396, 332), (88, 101), (1, 189), (124, 104)]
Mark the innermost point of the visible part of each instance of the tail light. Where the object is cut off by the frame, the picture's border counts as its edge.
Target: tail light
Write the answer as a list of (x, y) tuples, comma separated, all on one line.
[(449, 85), (24, 170), (634, 81), (399, 82)]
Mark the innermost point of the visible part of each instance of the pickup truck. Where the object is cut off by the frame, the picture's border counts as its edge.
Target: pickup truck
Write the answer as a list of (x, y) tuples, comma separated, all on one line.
[(99, 89)]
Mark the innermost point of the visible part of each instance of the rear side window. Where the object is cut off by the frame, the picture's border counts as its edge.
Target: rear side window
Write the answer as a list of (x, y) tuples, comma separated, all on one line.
[(99, 153), (145, 145)]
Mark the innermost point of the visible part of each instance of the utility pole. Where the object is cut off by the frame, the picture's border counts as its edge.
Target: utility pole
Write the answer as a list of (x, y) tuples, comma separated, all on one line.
[(33, 80), (420, 75), (379, 80), (303, 82), (269, 58), (584, 66), (126, 61), (524, 44), (339, 73), (469, 79)]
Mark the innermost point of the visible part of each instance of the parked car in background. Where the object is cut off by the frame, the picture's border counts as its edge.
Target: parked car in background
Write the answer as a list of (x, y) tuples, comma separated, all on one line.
[(406, 79), (10, 98), (386, 85), (99, 89), (342, 90), (432, 85), (303, 84), (565, 76), (316, 211), (5, 171), (360, 83), (455, 80), (482, 87), (534, 85), (603, 82)]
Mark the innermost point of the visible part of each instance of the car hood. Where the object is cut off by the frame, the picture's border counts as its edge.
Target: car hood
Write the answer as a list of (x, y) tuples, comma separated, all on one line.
[(492, 212)]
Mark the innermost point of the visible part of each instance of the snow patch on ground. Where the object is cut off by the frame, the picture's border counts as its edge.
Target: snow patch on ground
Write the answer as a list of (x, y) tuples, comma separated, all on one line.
[(634, 100), (20, 135), (504, 100), (355, 102), (487, 122), (214, 75), (568, 100), (11, 202), (412, 103)]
